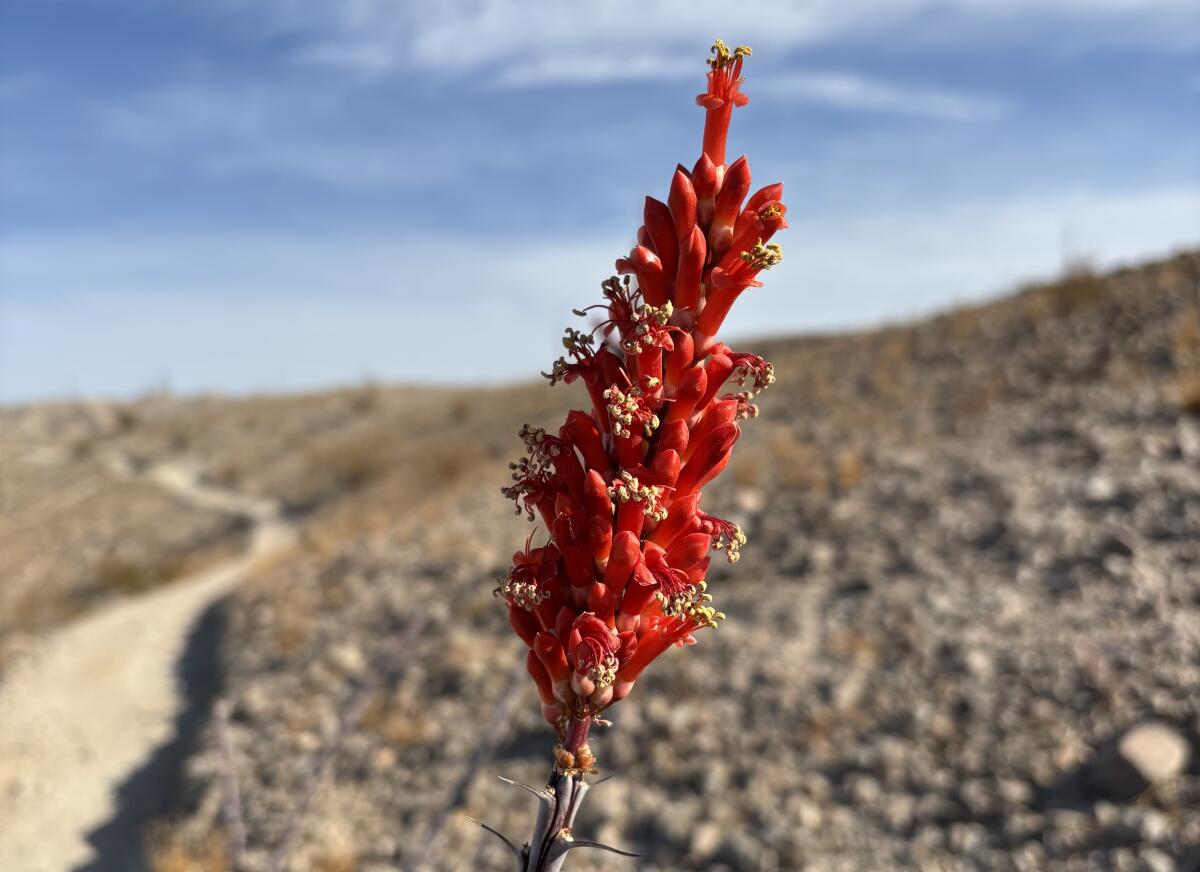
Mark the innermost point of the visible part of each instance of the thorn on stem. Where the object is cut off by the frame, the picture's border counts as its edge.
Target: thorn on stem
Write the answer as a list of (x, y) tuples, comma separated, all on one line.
[(585, 843), (540, 794), (495, 832)]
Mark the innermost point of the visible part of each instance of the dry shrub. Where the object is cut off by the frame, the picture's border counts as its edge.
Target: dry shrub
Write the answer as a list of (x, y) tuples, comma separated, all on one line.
[(1187, 393), (168, 849), (350, 464), (1185, 339), (798, 464), (294, 618), (892, 375), (366, 399), (120, 575), (747, 471), (1185, 351), (386, 717), (1079, 287), (336, 861), (849, 468)]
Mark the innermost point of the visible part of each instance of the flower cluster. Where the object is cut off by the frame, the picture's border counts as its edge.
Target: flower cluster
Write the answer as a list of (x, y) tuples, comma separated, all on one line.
[(622, 577)]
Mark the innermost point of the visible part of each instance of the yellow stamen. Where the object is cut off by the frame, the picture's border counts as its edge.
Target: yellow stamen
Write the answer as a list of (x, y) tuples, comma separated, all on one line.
[(763, 256)]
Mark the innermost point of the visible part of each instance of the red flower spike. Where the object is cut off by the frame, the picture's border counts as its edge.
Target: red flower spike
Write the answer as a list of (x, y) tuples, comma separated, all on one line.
[(622, 578)]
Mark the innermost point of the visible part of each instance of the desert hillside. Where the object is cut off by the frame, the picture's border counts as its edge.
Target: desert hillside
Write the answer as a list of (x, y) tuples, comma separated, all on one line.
[(964, 632)]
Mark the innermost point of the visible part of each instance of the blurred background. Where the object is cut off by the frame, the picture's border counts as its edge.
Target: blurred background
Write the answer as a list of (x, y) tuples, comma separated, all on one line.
[(276, 279)]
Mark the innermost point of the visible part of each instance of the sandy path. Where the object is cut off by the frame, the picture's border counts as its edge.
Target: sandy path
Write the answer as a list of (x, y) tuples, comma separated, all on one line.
[(94, 701)]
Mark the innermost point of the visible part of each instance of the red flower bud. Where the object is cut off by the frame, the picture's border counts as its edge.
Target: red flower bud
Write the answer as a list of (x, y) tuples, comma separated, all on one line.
[(728, 204), (717, 370), (673, 436), (682, 203), (524, 624), (622, 560), (691, 388), (764, 195), (660, 228), (710, 458), (679, 359), (582, 432), (692, 251), (704, 180)]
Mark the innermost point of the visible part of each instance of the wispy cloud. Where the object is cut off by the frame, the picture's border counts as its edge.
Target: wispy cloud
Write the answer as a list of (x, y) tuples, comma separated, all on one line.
[(858, 93), (573, 70), (281, 128), (524, 41)]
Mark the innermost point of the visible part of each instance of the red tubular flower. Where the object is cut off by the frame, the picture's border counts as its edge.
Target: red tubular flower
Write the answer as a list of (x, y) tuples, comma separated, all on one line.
[(724, 82), (619, 488)]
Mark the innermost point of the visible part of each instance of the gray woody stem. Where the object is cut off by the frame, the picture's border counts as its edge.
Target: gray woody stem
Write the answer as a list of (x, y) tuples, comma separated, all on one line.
[(558, 803)]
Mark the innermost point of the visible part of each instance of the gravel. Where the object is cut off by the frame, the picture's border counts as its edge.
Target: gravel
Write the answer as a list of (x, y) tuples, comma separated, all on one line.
[(969, 607)]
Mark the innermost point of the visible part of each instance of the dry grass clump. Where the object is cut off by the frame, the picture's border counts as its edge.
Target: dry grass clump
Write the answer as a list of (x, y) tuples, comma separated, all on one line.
[(169, 849), (795, 462), (121, 575), (1079, 286), (1186, 354)]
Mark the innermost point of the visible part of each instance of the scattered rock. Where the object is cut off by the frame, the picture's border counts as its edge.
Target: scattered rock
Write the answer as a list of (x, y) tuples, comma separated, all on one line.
[(1146, 755)]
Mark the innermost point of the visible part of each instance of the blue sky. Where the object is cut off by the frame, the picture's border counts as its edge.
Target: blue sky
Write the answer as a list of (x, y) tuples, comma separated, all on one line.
[(237, 195)]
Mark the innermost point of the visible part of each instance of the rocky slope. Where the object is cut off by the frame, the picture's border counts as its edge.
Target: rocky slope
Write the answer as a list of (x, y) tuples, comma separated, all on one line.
[(965, 632), (973, 570)]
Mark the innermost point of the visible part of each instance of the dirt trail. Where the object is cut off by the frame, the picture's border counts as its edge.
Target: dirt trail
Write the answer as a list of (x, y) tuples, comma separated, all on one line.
[(94, 701)]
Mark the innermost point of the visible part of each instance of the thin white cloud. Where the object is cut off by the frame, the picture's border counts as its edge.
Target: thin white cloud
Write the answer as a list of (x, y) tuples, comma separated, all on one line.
[(282, 129), (118, 314), (572, 70), (514, 39), (862, 94)]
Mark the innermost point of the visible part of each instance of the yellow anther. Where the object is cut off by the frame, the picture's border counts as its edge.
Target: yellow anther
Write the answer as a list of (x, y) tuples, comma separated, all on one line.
[(722, 55), (627, 489), (763, 256)]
